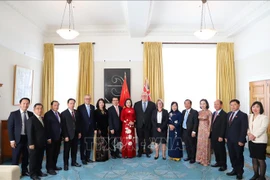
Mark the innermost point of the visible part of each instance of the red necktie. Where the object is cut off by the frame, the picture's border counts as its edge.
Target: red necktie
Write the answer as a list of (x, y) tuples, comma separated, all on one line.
[(73, 116), (231, 118)]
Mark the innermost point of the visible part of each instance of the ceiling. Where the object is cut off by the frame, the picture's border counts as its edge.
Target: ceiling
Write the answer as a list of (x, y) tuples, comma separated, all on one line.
[(141, 18)]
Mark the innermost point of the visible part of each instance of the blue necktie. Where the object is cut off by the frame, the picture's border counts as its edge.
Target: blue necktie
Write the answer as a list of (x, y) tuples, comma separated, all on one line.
[(185, 120), (144, 106), (88, 110)]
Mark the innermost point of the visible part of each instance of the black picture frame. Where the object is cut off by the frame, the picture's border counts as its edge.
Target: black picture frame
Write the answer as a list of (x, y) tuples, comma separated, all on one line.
[(113, 80)]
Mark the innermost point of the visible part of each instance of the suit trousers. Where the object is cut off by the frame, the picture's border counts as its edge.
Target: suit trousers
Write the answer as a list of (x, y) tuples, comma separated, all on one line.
[(72, 145), (114, 139), (52, 152), (144, 139), (21, 149), (236, 156), (86, 144), (35, 163), (190, 144), (220, 152)]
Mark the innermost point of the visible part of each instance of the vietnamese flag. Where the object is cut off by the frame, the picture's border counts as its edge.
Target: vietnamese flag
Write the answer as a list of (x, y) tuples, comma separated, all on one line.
[(124, 92)]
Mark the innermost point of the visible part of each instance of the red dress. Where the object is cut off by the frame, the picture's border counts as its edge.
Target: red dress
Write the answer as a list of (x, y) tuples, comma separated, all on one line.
[(128, 133)]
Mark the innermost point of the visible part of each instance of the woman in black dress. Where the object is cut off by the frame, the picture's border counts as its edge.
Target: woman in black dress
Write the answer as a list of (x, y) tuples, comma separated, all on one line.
[(160, 118), (101, 117)]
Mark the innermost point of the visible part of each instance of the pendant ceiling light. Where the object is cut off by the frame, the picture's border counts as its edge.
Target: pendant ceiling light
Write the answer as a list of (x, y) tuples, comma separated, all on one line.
[(205, 33), (70, 32)]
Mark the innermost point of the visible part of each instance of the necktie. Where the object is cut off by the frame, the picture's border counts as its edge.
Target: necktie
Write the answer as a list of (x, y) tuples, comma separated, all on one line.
[(144, 106), (231, 118), (117, 110), (56, 114), (73, 116), (185, 120), (41, 121), (24, 121), (215, 116), (88, 110)]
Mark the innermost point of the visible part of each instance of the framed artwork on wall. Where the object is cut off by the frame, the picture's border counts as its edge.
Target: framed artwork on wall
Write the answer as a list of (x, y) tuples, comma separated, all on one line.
[(23, 84), (113, 80)]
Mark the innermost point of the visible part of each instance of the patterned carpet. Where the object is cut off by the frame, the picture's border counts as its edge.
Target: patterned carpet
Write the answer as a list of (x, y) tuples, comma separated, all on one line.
[(146, 169)]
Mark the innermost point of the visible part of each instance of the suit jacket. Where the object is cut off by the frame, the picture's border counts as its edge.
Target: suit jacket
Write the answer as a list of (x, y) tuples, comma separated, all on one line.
[(218, 127), (114, 120), (192, 121), (15, 125), (36, 132), (164, 121), (237, 130), (70, 127), (144, 116), (53, 126), (85, 122), (258, 128)]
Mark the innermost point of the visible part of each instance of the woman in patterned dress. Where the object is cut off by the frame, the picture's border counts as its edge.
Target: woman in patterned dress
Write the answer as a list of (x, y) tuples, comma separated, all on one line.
[(203, 145), (175, 149), (128, 134)]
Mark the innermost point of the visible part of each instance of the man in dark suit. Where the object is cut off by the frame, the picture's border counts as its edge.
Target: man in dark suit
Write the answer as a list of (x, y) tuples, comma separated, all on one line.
[(17, 134), (144, 110), (52, 122), (36, 135), (218, 130), (190, 131), (115, 125), (236, 138), (85, 117), (71, 133)]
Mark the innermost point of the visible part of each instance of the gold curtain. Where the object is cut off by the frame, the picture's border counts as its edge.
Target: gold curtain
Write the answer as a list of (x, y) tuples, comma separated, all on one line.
[(86, 72), (48, 77), (153, 69), (225, 74)]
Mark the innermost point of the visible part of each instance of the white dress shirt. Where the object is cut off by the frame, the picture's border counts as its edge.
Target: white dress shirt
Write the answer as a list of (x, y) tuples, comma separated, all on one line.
[(40, 119), (159, 117)]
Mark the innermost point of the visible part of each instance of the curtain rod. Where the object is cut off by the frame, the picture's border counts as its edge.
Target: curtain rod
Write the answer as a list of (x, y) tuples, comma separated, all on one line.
[(69, 44), (188, 42)]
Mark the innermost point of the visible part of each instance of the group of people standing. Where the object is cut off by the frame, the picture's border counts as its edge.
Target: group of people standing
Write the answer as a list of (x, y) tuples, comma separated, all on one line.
[(202, 131)]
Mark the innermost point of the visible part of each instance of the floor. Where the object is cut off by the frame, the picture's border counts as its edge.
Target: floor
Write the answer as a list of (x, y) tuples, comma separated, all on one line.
[(146, 169)]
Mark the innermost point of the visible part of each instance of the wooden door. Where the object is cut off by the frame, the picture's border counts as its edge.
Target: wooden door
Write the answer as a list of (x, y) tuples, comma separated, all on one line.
[(260, 91)]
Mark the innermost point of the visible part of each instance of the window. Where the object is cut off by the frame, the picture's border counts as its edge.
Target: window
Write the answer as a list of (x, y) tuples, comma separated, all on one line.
[(189, 73), (65, 74)]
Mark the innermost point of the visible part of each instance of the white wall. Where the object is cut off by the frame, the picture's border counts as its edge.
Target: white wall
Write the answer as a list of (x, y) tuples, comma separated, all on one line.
[(252, 58), (21, 43)]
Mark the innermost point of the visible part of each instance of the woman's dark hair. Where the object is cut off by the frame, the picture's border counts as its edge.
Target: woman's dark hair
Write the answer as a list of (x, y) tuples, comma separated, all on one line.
[(97, 105), (173, 104), (207, 104), (259, 104), (126, 102)]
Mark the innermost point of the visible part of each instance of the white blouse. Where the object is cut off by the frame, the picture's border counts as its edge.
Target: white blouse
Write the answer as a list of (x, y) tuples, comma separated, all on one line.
[(159, 117)]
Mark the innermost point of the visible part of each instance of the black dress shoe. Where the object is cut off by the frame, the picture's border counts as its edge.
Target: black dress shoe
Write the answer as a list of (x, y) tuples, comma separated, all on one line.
[(41, 174), (35, 177), (164, 158), (89, 160), (148, 155), (66, 167), (139, 155), (254, 177), (215, 165), (192, 161), (232, 173), (51, 172), (239, 176), (58, 168), (84, 162), (187, 159), (222, 168), (113, 157), (25, 174), (156, 157), (76, 164)]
